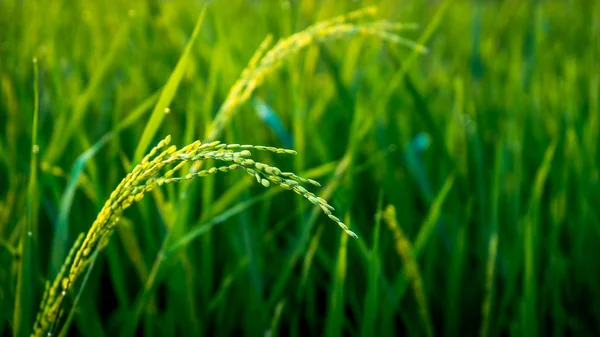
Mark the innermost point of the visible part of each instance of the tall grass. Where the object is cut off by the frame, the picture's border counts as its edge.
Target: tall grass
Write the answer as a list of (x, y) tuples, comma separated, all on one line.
[(469, 172)]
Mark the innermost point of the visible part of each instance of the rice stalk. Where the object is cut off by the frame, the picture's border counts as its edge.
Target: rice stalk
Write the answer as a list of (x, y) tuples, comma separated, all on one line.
[(158, 168), (29, 232), (405, 251), (263, 62)]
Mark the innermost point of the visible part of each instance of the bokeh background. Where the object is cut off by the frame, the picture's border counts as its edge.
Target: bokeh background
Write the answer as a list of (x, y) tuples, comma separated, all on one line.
[(470, 173)]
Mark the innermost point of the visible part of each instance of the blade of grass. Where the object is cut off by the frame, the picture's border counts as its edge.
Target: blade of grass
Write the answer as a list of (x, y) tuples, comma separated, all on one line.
[(486, 308), (529, 314), (432, 217), (205, 227), (407, 255), (276, 319), (425, 233), (24, 293), (334, 323), (166, 96), (308, 259), (226, 284), (371, 308)]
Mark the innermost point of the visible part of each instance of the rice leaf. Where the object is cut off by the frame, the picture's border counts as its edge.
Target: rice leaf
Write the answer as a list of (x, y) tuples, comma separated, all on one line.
[(168, 93), (24, 293)]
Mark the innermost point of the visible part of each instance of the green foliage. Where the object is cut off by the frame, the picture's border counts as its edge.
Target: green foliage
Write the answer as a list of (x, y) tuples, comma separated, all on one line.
[(466, 162)]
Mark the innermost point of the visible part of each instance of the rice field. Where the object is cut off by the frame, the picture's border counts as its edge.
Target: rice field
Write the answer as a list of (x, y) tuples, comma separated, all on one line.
[(299, 168)]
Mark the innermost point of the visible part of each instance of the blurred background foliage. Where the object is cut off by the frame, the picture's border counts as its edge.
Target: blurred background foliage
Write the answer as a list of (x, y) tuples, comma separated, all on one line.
[(485, 150)]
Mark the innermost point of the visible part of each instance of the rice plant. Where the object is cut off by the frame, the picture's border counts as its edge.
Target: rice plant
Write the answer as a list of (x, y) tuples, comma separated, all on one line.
[(151, 173)]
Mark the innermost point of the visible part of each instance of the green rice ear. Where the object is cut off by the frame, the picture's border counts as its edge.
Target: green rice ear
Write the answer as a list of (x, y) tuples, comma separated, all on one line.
[(156, 169)]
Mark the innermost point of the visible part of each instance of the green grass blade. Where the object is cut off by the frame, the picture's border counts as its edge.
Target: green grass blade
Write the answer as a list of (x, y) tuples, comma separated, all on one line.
[(371, 308), (433, 216), (205, 227), (276, 319), (137, 113), (425, 233), (221, 293), (486, 308), (529, 304), (308, 259), (407, 254), (168, 93), (334, 322), (22, 319)]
